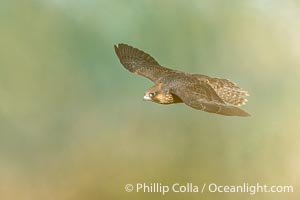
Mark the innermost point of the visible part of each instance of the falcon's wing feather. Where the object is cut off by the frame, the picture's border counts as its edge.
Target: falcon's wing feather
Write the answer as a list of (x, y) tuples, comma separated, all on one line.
[(203, 97), (229, 91), (139, 62)]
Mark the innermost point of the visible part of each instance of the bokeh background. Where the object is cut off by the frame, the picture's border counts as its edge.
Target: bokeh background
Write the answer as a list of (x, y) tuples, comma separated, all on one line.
[(72, 121)]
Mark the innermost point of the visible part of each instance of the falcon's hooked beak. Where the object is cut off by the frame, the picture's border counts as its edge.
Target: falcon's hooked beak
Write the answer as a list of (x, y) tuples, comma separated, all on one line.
[(147, 98)]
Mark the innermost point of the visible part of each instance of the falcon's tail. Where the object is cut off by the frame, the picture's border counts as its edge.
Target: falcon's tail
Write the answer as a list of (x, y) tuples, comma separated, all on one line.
[(229, 91), (226, 110)]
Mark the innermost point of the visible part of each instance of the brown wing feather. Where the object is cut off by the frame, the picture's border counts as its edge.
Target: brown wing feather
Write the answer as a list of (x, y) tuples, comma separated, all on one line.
[(229, 91), (139, 62), (226, 90), (203, 97)]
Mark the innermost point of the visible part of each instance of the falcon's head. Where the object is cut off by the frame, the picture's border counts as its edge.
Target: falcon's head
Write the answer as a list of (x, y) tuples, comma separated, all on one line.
[(159, 95)]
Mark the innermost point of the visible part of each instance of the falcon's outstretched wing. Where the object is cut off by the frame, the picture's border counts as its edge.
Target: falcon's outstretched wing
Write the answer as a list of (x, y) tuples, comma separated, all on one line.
[(229, 91), (139, 62), (203, 97)]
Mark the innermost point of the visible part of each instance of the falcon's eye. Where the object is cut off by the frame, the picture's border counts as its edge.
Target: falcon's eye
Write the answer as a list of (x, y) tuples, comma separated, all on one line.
[(152, 94)]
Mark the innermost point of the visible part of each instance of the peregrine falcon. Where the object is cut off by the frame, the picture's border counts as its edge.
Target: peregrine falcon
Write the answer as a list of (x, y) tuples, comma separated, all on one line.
[(201, 92)]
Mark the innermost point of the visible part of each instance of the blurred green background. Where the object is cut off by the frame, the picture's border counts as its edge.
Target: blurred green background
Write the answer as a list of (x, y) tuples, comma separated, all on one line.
[(72, 121)]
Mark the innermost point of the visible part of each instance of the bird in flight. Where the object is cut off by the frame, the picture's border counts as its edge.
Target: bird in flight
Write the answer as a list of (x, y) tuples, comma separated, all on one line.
[(198, 91)]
